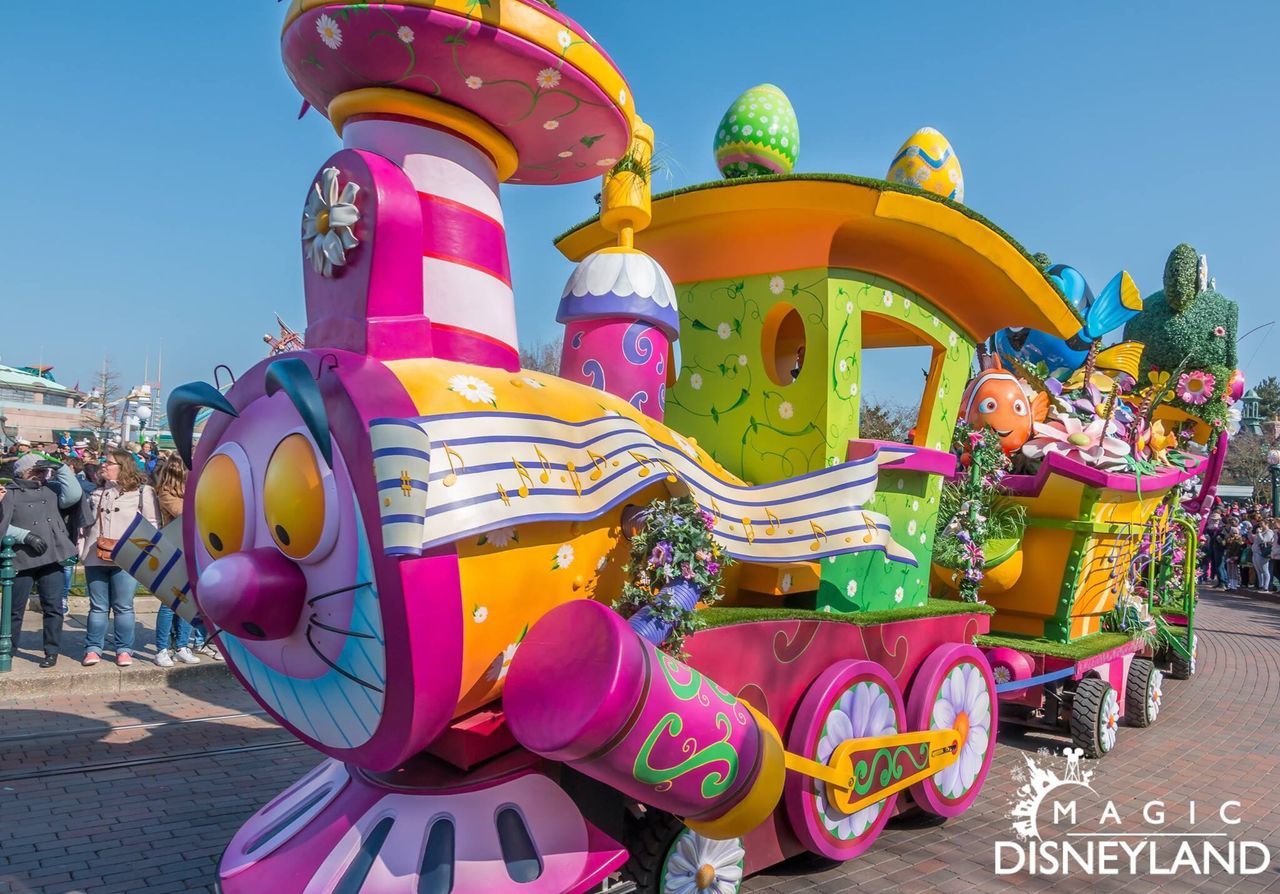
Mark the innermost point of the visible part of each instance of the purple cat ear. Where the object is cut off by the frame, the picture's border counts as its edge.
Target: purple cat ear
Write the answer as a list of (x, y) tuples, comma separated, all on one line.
[(185, 402)]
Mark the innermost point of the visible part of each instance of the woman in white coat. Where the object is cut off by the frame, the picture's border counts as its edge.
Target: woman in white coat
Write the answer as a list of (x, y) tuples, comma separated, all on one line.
[(122, 495)]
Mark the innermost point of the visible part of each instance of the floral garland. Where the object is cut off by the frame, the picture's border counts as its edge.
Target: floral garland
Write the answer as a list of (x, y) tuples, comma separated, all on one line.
[(672, 547), (963, 536)]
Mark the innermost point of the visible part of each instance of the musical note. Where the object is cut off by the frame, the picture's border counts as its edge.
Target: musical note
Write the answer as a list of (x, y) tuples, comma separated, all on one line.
[(749, 529), (573, 477), (502, 495), (773, 521), (672, 477), (818, 535), (546, 466), (178, 596), (643, 471), (450, 454), (406, 483), (872, 528), (715, 508), (526, 480), (599, 462)]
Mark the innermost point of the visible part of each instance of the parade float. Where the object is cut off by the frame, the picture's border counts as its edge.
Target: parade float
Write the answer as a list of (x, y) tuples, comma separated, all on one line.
[(663, 620)]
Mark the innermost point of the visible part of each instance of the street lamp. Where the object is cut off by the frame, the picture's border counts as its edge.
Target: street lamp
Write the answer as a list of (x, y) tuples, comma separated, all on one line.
[(1273, 460)]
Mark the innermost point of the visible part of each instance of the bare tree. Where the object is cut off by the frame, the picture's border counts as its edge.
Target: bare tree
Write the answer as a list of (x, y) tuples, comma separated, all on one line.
[(99, 408), (882, 421), (542, 356)]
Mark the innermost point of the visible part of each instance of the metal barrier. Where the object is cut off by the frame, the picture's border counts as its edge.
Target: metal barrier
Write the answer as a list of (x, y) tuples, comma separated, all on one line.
[(7, 574)]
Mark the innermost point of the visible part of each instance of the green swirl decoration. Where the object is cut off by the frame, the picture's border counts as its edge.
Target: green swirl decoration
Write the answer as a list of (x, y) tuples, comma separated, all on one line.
[(714, 783), (865, 772)]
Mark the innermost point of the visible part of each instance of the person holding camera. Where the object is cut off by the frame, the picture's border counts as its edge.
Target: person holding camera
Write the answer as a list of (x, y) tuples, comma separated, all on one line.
[(31, 511)]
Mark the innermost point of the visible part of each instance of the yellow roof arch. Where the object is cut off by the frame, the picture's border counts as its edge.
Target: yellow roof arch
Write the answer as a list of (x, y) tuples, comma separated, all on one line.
[(957, 260)]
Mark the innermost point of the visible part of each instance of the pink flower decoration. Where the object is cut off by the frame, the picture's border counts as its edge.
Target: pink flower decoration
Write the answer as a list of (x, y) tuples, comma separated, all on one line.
[(1219, 331), (1195, 387), (1235, 386), (1085, 443)]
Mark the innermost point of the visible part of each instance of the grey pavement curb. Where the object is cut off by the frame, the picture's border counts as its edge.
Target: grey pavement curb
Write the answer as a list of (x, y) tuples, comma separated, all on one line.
[(105, 678)]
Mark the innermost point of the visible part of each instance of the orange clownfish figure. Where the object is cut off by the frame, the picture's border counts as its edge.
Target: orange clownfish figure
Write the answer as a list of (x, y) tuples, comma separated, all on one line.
[(995, 398)]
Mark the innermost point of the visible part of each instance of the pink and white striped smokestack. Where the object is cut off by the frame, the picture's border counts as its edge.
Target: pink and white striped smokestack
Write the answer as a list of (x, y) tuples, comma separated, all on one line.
[(466, 277)]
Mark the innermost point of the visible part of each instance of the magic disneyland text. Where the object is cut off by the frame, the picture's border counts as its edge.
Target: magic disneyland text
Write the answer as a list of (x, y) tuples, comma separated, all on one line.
[(1151, 850)]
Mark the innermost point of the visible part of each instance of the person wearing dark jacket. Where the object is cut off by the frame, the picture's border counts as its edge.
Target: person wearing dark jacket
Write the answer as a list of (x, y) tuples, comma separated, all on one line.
[(32, 513)]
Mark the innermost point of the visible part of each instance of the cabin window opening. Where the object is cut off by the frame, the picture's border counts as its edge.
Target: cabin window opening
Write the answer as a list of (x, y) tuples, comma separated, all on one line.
[(783, 344)]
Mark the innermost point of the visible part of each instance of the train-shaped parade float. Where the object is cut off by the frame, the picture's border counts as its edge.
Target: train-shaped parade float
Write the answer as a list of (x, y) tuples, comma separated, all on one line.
[(666, 619)]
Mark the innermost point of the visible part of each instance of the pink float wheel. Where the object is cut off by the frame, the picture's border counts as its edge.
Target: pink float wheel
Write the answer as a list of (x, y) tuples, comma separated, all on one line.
[(954, 689), (850, 700)]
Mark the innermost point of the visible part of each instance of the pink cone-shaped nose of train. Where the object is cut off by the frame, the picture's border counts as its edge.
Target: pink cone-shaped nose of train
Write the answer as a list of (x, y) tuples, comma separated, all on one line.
[(258, 594)]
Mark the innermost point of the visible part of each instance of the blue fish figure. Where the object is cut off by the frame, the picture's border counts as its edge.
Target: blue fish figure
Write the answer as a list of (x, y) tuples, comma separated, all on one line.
[(1119, 302)]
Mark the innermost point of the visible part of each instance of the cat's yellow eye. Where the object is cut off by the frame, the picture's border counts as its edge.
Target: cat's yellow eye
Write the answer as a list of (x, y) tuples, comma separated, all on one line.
[(293, 497), (220, 518)]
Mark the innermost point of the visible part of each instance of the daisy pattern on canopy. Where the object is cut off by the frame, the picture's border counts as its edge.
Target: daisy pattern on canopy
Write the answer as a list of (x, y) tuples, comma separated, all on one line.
[(328, 222), (963, 704)]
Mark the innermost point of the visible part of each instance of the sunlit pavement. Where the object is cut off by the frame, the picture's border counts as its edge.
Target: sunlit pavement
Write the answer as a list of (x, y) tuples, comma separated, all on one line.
[(140, 791)]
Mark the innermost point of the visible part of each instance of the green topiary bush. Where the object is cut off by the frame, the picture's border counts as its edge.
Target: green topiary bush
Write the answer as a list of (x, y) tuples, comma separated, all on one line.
[(1200, 329), (1181, 273)]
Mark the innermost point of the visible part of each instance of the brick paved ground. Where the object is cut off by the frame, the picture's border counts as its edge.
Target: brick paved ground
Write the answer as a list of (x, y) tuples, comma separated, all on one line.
[(160, 827)]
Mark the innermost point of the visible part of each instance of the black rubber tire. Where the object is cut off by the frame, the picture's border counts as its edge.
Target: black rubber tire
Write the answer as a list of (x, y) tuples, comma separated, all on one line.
[(1143, 674), (1087, 716), (1182, 668), (648, 840)]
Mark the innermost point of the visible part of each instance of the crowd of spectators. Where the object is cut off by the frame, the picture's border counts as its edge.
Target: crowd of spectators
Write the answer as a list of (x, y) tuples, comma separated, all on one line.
[(1240, 548), (66, 504)]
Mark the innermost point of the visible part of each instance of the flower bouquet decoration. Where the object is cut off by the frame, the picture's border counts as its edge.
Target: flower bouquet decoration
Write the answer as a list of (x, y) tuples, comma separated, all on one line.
[(675, 565)]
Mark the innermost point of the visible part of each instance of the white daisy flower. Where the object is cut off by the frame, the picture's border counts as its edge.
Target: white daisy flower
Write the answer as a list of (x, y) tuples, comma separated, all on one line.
[(548, 78), (924, 538), (328, 222), (951, 339), (848, 307), (844, 366), (915, 505), (480, 614), (911, 527), (501, 536), (852, 588), (695, 381), (475, 82), (936, 322), (552, 124), (568, 153), (499, 666), (564, 39), (532, 382), (606, 162), (898, 594), (853, 389), (887, 298), (329, 32), (906, 304), (724, 330), (742, 360), (475, 390), (785, 410), (564, 557), (776, 285), (405, 33)]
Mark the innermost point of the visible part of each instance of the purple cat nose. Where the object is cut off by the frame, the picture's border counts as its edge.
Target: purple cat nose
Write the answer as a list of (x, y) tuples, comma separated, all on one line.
[(258, 594)]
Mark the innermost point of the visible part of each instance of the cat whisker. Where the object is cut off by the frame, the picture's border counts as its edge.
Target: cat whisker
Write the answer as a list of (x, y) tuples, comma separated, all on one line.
[(346, 673), (314, 599), (342, 630)]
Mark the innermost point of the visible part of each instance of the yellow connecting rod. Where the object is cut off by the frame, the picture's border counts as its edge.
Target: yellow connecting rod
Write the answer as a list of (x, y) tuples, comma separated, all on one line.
[(862, 772)]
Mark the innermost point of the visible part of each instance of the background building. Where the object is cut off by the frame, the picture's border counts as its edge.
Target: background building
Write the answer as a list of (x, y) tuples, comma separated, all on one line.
[(36, 407)]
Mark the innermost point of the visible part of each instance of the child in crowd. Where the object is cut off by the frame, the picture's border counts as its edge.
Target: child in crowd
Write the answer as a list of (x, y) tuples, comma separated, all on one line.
[(1235, 547)]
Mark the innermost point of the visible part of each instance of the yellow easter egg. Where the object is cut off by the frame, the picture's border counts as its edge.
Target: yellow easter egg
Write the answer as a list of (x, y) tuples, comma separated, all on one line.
[(927, 161)]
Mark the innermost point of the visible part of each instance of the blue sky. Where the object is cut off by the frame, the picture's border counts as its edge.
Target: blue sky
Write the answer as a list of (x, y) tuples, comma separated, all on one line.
[(156, 173)]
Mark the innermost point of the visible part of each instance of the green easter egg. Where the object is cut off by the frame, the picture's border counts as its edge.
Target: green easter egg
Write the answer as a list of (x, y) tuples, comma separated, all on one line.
[(759, 134)]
